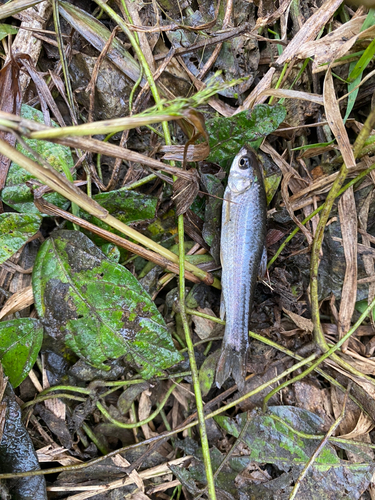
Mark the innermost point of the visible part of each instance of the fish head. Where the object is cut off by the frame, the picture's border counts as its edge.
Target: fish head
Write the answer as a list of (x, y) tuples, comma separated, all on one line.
[(244, 171)]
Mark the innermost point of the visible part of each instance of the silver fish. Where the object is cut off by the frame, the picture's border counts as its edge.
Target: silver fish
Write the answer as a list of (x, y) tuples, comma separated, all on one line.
[(243, 232)]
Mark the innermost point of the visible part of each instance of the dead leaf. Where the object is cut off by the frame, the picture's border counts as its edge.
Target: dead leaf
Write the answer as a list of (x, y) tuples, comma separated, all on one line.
[(18, 301), (302, 323), (185, 192), (203, 326), (335, 121), (348, 222)]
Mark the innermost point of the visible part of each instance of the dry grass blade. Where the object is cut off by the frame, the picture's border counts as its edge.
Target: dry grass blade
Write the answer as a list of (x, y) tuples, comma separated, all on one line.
[(35, 19), (368, 261), (18, 301), (97, 34), (310, 29), (335, 44), (308, 32), (10, 102), (89, 491), (196, 152), (12, 8), (292, 94), (348, 221), (335, 121), (104, 126)]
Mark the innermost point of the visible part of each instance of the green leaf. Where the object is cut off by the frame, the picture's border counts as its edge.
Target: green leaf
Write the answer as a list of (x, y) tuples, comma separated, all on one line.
[(228, 135), (7, 29), (363, 62), (16, 193), (127, 206), (355, 71), (15, 230), (207, 372), (20, 343), (271, 441), (362, 305), (98, 307)]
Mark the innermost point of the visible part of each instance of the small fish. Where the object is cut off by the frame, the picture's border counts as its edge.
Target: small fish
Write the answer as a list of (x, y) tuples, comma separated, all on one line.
[(243, 232)]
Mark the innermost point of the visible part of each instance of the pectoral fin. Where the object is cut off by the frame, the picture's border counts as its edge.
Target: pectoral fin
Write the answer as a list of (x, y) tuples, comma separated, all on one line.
[(228, 203)]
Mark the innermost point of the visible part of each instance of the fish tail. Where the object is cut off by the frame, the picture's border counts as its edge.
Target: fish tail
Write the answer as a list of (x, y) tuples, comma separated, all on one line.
[(232, 362)]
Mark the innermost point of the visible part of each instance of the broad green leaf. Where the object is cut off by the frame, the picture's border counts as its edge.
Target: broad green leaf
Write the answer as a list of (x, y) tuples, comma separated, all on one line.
[(228, 135), (127, 206), (16, 193), (7, 29), (20, 343), (271, 441), (98, 307), (15, 230)]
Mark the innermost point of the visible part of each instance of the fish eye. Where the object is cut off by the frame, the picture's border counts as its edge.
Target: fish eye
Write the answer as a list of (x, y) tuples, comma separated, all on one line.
[(244, 163)]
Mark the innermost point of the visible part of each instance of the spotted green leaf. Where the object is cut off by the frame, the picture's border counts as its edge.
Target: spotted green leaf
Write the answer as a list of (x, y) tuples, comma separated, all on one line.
[(97, 307), (20, 343), (16, 193), (15, 230), (228, 135)]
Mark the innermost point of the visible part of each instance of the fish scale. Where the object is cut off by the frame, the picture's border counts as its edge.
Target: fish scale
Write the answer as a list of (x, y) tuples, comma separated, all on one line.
[(243, 232)]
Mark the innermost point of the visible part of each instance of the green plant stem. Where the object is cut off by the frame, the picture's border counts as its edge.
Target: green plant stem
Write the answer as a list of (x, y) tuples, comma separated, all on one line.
[(326, 354), (141, 182), (52, 396), (81, 390), (194, 369), (303, 435), (283, 71), (166, 435), (142, 422), (317, 243), (168, 141), (97, 441), (319, 209)]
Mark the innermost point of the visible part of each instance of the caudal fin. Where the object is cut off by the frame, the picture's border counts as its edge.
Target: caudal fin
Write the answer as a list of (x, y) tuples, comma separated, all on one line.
[(231, 363)]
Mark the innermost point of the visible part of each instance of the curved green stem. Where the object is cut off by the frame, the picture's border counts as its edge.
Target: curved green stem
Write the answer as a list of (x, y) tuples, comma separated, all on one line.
[(142, 422), (40, 399)]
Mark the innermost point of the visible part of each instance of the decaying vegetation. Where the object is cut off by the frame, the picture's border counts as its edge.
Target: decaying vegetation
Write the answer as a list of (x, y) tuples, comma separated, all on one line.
[(118, 123)]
